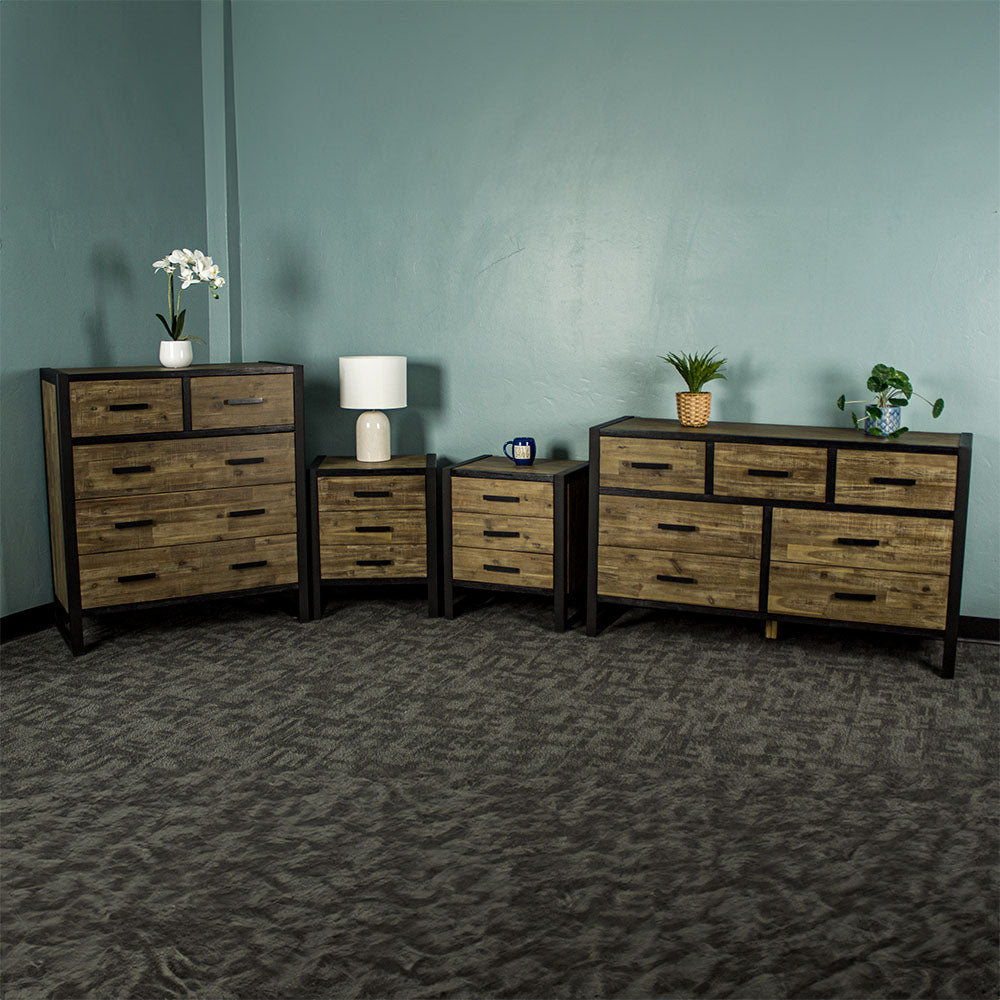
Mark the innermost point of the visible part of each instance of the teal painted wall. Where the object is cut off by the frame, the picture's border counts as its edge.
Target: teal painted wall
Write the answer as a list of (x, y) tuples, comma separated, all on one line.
[(530, 200), (534, 200), (102, 168)]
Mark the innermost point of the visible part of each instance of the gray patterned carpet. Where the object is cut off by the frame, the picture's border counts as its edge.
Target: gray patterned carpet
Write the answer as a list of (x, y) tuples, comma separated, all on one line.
[(219, 802)]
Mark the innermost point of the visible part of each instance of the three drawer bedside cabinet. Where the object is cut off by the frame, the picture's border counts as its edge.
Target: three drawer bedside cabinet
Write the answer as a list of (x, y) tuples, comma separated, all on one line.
[(172, 484), (516, 528), (375, 523), (780, 524)]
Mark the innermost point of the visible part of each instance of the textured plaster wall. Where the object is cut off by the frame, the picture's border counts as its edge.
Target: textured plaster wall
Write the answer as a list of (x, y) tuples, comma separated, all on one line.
[(102, 168), (534, 200)]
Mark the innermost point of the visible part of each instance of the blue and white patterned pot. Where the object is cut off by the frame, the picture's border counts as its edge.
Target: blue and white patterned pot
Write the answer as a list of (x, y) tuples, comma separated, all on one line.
[(887, 423)]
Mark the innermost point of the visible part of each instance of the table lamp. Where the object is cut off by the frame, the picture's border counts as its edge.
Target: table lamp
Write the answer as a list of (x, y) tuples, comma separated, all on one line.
[(373, 383)]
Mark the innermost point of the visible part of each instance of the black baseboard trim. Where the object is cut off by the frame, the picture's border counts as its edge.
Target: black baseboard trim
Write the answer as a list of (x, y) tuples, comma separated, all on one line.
[(23, 623)]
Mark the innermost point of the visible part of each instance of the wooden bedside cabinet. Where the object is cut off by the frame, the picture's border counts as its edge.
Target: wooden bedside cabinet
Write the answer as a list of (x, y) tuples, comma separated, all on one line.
[(375, 523), (171, 484), (780, 523), (515, 528)]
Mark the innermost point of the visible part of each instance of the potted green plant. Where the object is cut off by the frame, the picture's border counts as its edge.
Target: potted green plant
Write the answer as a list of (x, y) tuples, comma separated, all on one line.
[(193, 267), (891, 390), (695, 405)]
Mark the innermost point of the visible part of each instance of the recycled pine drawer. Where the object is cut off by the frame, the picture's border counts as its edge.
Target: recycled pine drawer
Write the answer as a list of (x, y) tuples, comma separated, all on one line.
[(524, 569), (502, 496), (818, 523), (678, 577), (652, 464), (242, 401), (919, 600), (866, 541), (125, 406), (130, 467), (150, 490), (773, 472), (171, 571), (112, 524), (489, 531), (375, 522), (680, 525), (896, 479), (515, 528)]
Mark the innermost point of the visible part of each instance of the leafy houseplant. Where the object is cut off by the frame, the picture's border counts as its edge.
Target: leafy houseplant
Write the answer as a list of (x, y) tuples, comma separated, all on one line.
[(892, 390), (695, 405), (193, 267)]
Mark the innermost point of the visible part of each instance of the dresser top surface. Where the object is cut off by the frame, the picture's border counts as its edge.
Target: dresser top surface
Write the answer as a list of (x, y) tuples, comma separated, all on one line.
[(157, 371), (652, 427), (497, 465), (348, 463)]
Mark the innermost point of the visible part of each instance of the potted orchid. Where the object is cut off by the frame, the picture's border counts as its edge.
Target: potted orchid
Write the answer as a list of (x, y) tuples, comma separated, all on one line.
[(192, 267)]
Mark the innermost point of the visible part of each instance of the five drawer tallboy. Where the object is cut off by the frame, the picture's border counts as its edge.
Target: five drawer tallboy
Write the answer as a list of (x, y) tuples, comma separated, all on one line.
[(780, 523), (170, 484)]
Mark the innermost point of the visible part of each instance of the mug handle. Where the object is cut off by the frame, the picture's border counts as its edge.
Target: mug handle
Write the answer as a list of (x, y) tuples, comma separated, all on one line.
[(509, 444)]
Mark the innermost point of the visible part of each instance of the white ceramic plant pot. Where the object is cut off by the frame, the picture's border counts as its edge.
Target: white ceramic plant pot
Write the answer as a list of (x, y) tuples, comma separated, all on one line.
[(175, 353)]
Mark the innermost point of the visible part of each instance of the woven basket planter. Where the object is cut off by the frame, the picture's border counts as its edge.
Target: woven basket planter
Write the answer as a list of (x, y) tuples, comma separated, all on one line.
[(693, 408)]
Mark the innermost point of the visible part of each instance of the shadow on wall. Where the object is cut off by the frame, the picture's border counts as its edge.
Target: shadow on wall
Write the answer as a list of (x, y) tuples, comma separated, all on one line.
[(424, 399), (112, 273)]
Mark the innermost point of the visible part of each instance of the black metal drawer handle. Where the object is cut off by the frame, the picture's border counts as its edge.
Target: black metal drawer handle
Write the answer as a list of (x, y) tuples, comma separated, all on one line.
[(118, 407), (500, 499), (868, 543), (373, 562), (663, 578), (256, 512), (651, 465), (249, 565), (866, 598), (136, 576), (500, 569), (127, 470), (121, 525), (890, 481), (249, 401), (677, 527), (501, 534), (373, 493), (769, 473), (367, 529), (244, 461)]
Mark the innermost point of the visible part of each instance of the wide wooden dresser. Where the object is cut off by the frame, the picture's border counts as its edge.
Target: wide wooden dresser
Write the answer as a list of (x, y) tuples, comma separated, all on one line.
[(172, 484), (780, 523)]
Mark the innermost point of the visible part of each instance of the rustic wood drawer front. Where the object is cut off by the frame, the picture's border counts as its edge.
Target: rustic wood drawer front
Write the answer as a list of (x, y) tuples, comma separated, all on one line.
[(373, 527), (110, 578), (678, 577), (896, 479), (357, 562), (137, 522), (224, 402), (856, 595), (680, 525), (132, 406), (506, 497), (182, 463), (873, 541), (521, 569), (513, 534), (774, 472), (371, 493), (653, 464)]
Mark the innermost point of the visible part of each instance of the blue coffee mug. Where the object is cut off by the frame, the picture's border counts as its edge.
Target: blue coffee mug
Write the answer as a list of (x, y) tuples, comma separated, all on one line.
[(523, 450)]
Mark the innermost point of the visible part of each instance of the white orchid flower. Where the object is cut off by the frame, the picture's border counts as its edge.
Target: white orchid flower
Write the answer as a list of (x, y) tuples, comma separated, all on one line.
[(178, 257), (164, 265)]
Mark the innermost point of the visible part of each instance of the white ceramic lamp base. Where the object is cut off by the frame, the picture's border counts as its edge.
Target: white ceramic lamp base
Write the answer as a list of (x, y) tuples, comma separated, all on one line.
[(372, 433)]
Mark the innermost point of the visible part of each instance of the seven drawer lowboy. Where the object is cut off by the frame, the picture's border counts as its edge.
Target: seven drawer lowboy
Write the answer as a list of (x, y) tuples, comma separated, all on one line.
[(375, 523), (780, 523), (516, 528), (168, 484)]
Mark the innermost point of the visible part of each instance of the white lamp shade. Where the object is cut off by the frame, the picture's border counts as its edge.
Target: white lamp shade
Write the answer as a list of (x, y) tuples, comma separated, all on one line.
[(373, 382)]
